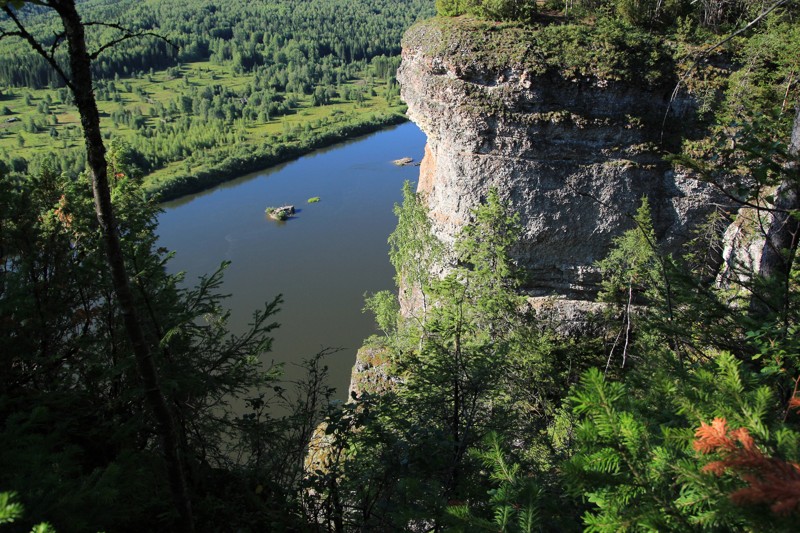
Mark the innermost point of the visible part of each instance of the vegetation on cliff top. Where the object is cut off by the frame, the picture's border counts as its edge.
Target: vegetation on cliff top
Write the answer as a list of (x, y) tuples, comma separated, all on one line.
[(716, 15), (679, 45), (608, 50), (731, 79)]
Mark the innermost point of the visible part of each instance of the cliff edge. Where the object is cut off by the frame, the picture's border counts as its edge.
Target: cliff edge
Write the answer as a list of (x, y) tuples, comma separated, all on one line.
[(572, 139)]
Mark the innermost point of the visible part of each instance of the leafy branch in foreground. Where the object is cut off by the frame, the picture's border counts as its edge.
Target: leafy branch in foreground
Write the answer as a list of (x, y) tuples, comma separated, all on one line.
[(640, 460), (11, 511)]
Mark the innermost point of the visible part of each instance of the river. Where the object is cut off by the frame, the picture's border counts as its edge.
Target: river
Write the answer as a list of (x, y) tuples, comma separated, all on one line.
[(322, 260)]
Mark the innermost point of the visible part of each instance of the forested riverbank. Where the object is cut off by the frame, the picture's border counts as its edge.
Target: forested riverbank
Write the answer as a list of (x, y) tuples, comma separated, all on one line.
[(237, 161), (206, 92)]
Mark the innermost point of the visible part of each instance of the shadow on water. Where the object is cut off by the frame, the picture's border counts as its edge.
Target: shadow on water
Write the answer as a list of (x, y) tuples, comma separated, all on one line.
[(277, 169), (322, 261)]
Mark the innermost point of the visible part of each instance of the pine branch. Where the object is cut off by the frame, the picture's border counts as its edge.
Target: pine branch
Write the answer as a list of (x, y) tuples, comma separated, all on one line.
[(769, 480)]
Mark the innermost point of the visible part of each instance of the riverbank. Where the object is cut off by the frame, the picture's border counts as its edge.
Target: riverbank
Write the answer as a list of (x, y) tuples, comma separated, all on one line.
[(240, 160)]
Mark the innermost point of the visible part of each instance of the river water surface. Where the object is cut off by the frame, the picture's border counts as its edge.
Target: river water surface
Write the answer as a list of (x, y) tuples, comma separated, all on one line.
[(322, 260)]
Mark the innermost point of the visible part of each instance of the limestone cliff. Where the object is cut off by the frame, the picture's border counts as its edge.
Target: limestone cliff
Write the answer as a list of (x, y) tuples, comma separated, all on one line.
[(572, 150)]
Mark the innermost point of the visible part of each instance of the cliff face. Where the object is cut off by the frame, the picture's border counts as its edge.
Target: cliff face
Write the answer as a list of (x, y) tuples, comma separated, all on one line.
[(572, 153)]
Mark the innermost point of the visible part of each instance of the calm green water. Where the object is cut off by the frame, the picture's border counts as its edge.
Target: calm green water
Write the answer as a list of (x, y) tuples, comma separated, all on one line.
[(323, 260)]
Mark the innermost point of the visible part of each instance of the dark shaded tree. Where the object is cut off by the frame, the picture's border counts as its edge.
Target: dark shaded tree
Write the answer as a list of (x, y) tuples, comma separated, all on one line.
[(79, 80)]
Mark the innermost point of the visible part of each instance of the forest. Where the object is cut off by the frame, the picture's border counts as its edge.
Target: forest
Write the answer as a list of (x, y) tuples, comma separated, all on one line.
[(678, 411), (208, 91)]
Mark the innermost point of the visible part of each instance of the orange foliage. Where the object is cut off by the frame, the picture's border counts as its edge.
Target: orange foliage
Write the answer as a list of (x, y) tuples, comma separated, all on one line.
[(794, 403), (770, 480), (63, 216)]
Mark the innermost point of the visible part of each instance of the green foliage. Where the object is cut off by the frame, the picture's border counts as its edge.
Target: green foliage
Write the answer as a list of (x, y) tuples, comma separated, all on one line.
[(467, 337), (610, 50), (451, 8), (278, 213), (518, 10), (313, 200), (233, 161), (715, 15), (473, 364), (11, 511), (505, 10), (765, 82), (633, 268), (385, 307), (635, 461), (513, 503), (620, 466), (248, 37), (635, 274), (649, 13), (413, 249), (76, 440)]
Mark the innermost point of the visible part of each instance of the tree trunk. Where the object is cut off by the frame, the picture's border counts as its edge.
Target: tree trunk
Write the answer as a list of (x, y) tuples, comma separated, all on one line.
[(780, 243), (81, 80)]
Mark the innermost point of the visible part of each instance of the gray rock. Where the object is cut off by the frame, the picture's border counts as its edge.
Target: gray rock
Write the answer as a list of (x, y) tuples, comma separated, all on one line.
[(281, 213), (573, 157)]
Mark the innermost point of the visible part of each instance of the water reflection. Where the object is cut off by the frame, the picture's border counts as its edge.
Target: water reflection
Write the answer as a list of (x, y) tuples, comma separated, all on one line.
[(322, 260)]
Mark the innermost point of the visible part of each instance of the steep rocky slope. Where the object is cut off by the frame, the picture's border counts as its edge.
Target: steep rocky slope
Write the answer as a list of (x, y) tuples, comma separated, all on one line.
[(573, 148)]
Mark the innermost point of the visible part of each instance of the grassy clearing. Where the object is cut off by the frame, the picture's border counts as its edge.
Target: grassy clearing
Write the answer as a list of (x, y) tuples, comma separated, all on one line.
[(38, 122)]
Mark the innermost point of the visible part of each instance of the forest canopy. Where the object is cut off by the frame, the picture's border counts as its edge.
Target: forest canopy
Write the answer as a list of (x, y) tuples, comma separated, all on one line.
[(207, 86)]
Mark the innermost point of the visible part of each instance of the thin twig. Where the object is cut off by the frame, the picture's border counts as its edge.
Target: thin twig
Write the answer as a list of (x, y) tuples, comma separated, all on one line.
[(24, 34), (628, 327), (128, 34), (56, 43), (611, 353), (786, 95), (4, 34), (739, 201), (707, 51)]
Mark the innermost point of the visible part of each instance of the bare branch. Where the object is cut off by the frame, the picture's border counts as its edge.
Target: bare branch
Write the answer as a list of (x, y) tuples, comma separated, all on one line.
[(704, 173), (127, 34), (36, 45), (56, 43), (4, 34)]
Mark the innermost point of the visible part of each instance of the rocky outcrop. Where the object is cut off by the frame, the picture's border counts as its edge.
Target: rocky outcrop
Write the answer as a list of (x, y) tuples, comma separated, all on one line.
[(372, 372), (572, 154)]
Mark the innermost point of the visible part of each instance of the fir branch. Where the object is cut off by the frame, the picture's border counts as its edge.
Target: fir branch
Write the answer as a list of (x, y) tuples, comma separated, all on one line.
[(769, 480)]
